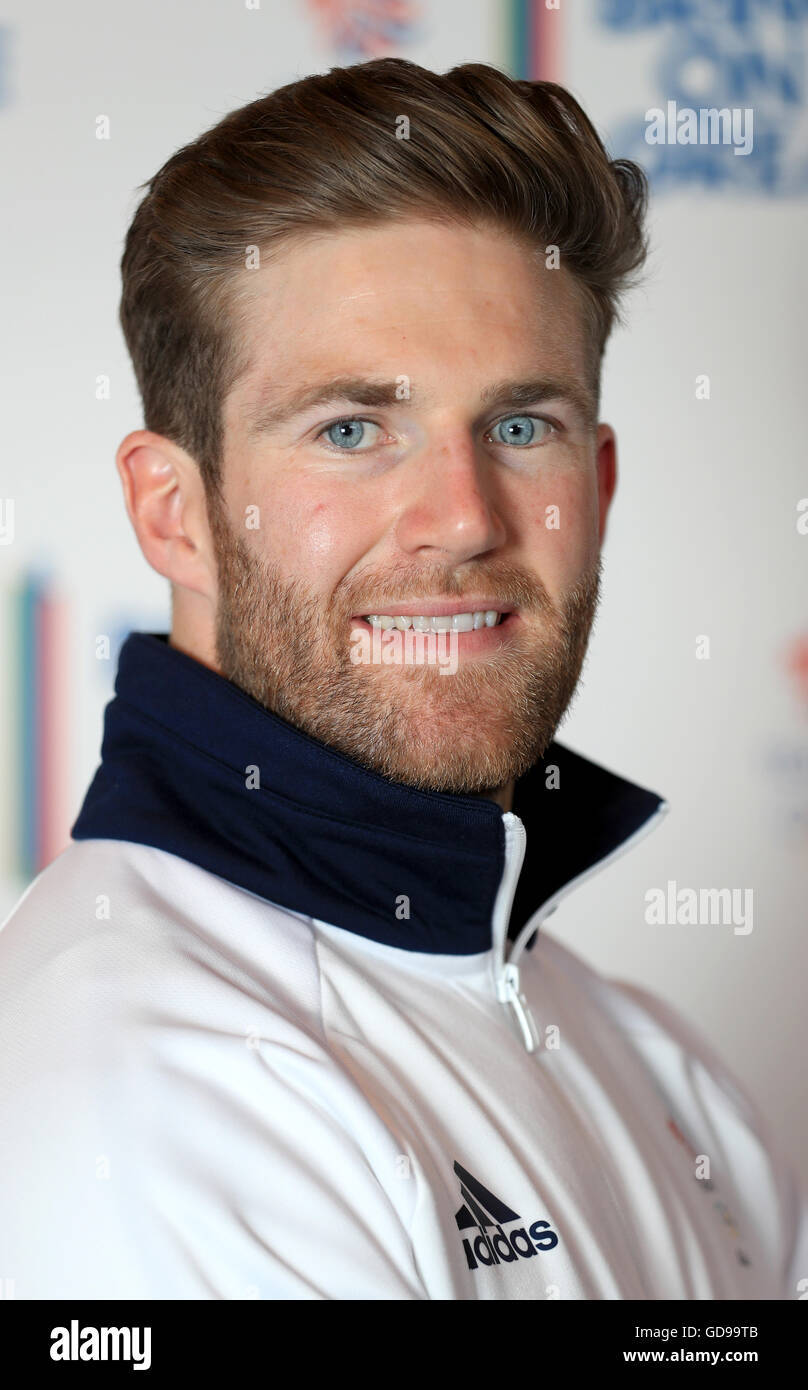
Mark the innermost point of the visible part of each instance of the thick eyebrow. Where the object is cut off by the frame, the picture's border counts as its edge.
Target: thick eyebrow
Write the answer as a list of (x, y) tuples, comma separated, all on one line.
[(539, 390), (269, 411)]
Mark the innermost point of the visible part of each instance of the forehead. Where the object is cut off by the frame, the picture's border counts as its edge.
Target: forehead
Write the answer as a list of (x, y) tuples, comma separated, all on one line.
[(419, 298)]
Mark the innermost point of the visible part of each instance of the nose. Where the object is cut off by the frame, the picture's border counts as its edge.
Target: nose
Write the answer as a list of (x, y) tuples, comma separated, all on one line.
[(448, 503)]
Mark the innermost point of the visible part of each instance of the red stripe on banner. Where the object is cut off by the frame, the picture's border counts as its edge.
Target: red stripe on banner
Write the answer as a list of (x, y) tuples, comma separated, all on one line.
[(545, 45)]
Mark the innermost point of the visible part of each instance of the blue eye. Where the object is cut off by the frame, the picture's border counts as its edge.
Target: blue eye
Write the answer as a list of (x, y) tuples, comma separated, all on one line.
[(517, 429), (347, 434)]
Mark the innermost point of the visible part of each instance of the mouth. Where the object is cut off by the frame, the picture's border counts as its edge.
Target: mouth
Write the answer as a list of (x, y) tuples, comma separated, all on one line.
[(439, 618), (472, 633)]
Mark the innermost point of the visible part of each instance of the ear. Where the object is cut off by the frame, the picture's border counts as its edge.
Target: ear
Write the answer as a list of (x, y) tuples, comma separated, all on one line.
[(606, 447), (165, 499)]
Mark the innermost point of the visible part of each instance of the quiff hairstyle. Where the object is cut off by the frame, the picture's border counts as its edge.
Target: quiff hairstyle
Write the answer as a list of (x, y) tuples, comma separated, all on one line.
[(321, 155)]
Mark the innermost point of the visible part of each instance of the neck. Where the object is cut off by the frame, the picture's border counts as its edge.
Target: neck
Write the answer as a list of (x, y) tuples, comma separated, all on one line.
[(502, 795)]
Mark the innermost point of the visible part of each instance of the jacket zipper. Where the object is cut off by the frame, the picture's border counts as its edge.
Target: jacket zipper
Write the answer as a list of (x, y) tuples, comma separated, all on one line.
[(506, 973)]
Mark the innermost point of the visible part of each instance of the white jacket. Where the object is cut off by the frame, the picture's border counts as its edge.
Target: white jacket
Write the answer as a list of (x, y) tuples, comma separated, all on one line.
[(302, 1039)]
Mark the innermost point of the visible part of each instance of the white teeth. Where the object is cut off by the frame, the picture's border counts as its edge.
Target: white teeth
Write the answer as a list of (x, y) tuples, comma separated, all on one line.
[(450, 622)]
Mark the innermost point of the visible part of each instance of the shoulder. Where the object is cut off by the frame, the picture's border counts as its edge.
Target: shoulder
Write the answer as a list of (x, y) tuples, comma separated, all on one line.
[(679, 1052), (741, 1138), (711, 1108), (127, 925), (171, 1109)]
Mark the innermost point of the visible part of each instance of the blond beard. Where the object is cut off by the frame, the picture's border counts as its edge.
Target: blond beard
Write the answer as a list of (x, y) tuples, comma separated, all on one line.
[(468, 733)]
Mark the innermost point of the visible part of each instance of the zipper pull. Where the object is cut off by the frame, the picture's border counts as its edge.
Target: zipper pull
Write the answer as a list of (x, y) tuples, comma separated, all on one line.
[(508, 992)]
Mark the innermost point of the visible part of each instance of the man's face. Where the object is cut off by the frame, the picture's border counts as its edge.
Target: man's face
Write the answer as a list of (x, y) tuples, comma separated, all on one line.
[(444, 484)]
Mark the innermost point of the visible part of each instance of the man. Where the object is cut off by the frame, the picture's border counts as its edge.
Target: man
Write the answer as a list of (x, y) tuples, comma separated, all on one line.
[(284, 1020)]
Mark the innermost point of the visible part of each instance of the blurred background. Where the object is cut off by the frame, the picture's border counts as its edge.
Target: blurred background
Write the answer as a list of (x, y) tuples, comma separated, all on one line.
[(705, 385)]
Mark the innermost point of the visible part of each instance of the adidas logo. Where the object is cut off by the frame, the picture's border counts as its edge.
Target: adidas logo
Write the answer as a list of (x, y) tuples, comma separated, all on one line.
[(482, 1209)]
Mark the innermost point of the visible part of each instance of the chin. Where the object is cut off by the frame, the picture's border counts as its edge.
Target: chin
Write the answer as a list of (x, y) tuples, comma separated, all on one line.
[(451, 764)]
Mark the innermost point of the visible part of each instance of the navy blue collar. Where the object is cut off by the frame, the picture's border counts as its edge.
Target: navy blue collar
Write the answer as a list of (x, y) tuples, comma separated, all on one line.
[(322, 835)]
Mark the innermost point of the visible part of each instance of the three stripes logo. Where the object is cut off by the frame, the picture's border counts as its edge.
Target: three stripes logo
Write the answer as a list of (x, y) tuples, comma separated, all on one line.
[(481, 1210)]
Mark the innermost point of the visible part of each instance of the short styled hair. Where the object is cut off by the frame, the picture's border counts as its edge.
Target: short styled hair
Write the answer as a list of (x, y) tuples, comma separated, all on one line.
[(326, 153)]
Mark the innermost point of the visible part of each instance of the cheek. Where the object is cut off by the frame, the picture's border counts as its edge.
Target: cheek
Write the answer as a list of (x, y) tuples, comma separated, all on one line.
[(564, 526), (315, 538)]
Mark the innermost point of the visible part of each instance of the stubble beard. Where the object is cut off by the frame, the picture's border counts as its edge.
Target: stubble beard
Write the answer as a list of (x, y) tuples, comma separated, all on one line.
[(468, 733)]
